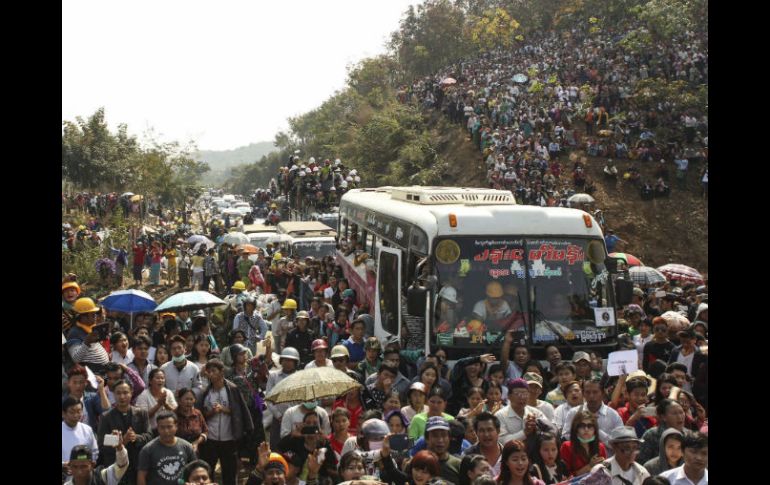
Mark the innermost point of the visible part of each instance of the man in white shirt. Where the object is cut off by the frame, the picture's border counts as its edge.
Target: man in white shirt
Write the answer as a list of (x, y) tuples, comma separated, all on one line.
[(74, 433), (696, 459), (179, 371), (319, 348), (517, 419), (295, 415), (608, 418), (535, 383), (574, 396), (289, 361)]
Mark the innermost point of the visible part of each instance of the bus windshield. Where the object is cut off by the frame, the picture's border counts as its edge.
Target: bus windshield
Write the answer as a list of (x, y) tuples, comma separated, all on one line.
[(544, 288), (316, 249)]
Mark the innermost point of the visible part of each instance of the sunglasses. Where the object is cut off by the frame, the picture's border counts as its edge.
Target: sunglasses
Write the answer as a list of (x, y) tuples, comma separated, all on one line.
[(585, 426)]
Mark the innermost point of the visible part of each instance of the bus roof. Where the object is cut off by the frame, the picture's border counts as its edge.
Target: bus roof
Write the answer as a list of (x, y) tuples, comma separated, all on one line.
[(252, 228), (474, 217), (310, 228)]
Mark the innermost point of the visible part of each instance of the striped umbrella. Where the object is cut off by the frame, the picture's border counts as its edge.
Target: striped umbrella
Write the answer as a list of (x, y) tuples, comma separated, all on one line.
[(645, 275), (630, 259), (680, 272)]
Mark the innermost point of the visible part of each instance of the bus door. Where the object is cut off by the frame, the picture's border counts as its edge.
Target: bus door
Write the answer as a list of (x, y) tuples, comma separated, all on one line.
[(387, 304)]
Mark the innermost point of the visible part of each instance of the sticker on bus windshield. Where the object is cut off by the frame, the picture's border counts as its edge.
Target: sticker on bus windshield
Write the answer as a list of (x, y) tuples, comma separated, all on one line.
[(447, 251), (555, 251), (605, 317)]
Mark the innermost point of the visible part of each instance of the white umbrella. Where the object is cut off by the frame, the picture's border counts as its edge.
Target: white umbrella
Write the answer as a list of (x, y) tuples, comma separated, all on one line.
[(581, 199), (449, 81), (235, 238), (520, 78), (197, 238)]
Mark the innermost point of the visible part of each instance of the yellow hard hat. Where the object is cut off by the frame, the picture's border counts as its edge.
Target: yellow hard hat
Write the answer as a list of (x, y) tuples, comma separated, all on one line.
[(494, 289), (289, 304), (238, 285), (277, 256), (70, 284), (273, 206), (85, 305)]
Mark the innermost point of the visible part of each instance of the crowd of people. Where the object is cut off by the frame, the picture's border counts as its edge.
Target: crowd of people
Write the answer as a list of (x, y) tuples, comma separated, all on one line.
[(155, 398), (184, 392), (575, 96), (316, 184)]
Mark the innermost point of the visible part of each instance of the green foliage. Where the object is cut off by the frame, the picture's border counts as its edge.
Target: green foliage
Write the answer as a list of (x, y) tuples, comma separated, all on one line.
[(430, 36), (493, 29), (94, 158)]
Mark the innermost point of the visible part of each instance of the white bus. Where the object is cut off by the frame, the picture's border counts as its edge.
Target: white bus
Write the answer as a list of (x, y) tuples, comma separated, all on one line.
[(458, 267), (309, 238)]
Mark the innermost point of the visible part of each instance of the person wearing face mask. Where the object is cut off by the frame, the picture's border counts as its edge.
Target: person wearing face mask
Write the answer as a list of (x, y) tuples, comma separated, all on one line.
[(303, 448), (179, 371), (584, 450), (293, 418), (368, 443)]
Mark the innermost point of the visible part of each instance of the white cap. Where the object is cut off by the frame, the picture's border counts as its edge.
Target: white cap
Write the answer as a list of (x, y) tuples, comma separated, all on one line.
[(357, 178), (312, 160), (353, 172), (448, 293), (349, 178), (344, 184)]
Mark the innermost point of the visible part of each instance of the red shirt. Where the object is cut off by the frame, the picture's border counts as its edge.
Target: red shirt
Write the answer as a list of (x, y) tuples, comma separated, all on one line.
[(336, 445), (138, 256), (355, 414), (566, 454)]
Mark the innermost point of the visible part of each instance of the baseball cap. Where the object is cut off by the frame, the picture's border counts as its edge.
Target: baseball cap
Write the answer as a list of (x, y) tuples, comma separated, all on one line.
[(436, 422), (534, 378), (417, 386), (689, 332), (81, 452), (581, 356), (638, 292)]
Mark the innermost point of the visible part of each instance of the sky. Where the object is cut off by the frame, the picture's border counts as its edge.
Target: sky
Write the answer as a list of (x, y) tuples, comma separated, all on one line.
[(223, 74)]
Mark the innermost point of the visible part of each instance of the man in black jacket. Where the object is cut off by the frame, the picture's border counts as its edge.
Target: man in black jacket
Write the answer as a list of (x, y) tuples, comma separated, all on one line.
[(133, 422), (228, 420)]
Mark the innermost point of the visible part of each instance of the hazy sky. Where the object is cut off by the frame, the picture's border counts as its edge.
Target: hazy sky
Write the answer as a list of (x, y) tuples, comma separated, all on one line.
[(224, 73)]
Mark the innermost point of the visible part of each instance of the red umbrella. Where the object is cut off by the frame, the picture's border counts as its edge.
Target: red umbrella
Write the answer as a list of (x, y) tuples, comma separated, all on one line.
[(630, 259), (681, 272), (248, 248)]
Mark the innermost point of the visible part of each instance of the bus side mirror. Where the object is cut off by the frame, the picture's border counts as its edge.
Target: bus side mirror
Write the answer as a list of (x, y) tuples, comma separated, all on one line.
[(624, 290), (415, 301)]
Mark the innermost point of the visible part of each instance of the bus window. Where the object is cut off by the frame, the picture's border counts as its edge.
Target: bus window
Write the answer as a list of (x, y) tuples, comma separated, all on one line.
[(388, 276)]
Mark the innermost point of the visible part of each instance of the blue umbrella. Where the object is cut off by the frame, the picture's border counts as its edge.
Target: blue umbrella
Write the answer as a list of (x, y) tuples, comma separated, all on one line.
[(189, 300), (129, 301)]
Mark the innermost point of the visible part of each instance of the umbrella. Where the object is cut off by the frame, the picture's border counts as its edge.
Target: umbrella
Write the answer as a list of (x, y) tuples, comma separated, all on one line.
[(645, 275), (136, 198), (236, 238), (197, 238), (676, 320), (129, 301), (630, 259), (449, 81), (248, 248), (520, 78), (128, 194), (312, 384), (682, 273), (189, 300), (581, 199)]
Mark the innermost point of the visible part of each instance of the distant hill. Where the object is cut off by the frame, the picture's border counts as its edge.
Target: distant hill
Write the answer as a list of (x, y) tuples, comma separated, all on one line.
[(223, 160)]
